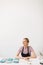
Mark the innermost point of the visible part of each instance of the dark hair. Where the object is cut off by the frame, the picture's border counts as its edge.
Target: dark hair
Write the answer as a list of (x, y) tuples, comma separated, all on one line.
[(27, 40)]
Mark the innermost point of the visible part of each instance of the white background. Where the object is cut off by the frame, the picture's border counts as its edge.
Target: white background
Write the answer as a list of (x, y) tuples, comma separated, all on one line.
[(19, 19)]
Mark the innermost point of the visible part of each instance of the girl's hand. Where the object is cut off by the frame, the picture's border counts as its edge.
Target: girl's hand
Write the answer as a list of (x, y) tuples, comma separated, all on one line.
[(25, 58)]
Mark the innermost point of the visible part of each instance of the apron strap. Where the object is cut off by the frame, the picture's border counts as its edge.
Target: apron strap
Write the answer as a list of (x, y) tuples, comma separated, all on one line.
[(22, 49), (28, 49)]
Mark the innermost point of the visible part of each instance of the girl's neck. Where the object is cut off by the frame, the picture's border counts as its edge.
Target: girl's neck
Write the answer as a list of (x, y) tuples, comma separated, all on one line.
[(25, 46)]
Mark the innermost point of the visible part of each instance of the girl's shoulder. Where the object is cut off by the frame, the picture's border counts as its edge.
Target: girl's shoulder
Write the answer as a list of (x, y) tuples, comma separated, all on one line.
[(21, 48), (30, 48)]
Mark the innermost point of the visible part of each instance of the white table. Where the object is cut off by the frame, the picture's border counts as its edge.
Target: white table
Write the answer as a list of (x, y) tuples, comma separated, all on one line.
[(24, 62)]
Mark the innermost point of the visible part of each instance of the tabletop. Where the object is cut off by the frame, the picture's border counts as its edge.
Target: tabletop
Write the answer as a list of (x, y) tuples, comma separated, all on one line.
[(24, 62)]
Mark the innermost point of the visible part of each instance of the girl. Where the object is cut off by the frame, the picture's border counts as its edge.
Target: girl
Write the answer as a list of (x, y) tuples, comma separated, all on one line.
[(26, 50)]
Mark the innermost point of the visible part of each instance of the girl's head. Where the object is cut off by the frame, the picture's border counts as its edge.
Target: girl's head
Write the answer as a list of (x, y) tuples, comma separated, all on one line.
[(25, 41)]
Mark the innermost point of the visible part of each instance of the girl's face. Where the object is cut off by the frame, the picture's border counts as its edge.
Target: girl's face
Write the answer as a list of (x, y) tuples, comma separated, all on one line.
[(25, 43)]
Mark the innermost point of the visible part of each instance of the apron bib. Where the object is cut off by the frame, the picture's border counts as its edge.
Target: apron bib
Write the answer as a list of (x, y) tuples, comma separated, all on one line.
[(25, 55)]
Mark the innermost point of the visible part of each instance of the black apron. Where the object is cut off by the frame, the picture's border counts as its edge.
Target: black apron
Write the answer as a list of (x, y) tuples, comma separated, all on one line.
[(25, 55)]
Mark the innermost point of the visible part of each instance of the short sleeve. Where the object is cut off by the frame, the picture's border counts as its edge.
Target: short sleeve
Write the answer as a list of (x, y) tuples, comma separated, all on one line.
[(31, 49), (19, 50)]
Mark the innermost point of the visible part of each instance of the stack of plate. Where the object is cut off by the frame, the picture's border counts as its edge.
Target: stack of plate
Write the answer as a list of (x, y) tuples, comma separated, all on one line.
[(9, 60), (2, 60), (16, 60)]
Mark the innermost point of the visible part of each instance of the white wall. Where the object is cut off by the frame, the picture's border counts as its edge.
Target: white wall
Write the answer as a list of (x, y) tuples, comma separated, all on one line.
[(19, 19)]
